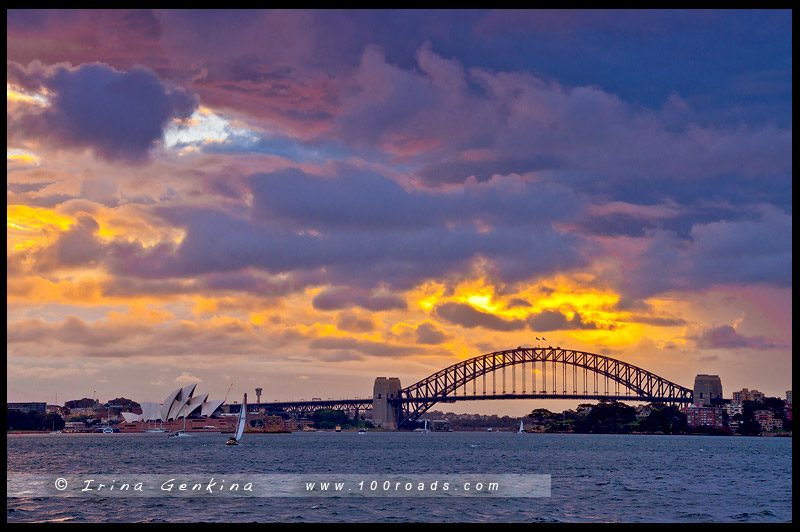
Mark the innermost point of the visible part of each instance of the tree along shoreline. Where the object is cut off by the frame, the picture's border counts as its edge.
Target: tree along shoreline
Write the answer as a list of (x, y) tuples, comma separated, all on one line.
[(614, 417)]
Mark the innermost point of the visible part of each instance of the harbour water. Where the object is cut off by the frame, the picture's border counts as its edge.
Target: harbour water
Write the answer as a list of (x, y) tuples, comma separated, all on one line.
[(594, 478)]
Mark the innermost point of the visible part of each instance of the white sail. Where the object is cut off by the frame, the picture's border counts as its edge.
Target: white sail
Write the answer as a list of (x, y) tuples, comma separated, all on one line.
[(242, 419), (520, 428)]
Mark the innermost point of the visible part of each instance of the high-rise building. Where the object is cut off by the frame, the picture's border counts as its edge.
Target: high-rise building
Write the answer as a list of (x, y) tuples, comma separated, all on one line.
[(747, 395), (788, 397), (707, 388)]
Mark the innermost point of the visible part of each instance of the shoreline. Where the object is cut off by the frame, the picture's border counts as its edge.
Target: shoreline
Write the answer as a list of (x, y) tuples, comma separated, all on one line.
[(762, 435)]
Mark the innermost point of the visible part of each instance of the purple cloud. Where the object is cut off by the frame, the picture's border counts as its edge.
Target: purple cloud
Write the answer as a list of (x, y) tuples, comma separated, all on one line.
[(547, 320), (726, 337), (470, 317), (753, 250), (344, 297), (554, 320), (121, 115), (429, 333)]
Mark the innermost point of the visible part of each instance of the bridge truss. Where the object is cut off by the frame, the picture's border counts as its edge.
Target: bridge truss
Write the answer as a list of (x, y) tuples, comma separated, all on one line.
[(582, 376), (536, 373)]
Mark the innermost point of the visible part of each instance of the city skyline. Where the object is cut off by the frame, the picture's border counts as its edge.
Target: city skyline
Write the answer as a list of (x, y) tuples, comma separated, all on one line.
[(304, 201)]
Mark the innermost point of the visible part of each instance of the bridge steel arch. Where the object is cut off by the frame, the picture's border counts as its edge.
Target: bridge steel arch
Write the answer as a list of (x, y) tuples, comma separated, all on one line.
[(442, 386)]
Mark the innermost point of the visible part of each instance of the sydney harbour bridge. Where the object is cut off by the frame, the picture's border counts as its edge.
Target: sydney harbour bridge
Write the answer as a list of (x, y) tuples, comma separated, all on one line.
[(521, 373)]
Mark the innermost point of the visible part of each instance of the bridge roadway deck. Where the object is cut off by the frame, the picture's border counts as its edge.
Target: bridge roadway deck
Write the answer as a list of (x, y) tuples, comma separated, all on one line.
[(366, 404)]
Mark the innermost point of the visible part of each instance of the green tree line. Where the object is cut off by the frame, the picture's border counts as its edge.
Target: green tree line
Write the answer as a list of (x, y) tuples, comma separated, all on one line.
[(18, 420)]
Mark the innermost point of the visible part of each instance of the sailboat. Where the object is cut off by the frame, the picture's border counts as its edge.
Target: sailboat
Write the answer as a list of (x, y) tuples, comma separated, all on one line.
[(240, 425), (520, 431), (423, 429), (153, 428), (181, 433)]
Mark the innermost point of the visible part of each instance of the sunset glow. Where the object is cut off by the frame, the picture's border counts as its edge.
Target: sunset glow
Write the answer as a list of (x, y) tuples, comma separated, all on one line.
[(307, 213)]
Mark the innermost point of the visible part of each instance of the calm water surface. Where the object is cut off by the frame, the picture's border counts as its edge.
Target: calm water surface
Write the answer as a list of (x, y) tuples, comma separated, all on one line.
[(594, 478)]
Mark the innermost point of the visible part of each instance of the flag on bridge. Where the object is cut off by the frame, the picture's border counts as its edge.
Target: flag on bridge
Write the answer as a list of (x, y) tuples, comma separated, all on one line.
[(537, 337)]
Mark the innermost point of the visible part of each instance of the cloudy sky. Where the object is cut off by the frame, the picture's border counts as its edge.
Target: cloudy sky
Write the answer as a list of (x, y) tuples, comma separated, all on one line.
[(305, 200)]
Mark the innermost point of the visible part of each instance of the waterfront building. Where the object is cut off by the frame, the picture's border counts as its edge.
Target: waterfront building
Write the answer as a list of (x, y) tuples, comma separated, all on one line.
[(733, 409), (40, 408), (747, 395), (698, 415), (84, 411), (707, 388), (767, 420)]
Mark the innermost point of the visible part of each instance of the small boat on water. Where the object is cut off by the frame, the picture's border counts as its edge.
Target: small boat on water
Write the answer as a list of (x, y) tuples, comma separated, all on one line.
[(362, 430), (425, 429), (234, 440), (108, 430), (338, 428)]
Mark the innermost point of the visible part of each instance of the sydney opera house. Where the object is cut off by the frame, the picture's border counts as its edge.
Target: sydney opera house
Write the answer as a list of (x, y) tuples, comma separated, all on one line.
[(199, 414)]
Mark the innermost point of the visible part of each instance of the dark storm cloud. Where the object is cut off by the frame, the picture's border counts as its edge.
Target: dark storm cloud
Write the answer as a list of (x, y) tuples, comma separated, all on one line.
[(645, 108), (366, 347), (518, 302), (756, 249), (343, 297), (547, 320), (73, 331), (554, 320), (77, 247), (250, 282), (352, 322), (470, 317), (726, 337), (365, 200), (658, 321), (615, 225), (353, 199), (429, 333), (21, 188), (456, 171), (121, 115), (217, 242), (362, 229)]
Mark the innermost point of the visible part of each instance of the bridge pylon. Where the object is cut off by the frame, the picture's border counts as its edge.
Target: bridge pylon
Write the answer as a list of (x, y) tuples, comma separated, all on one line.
[(385, 408)]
